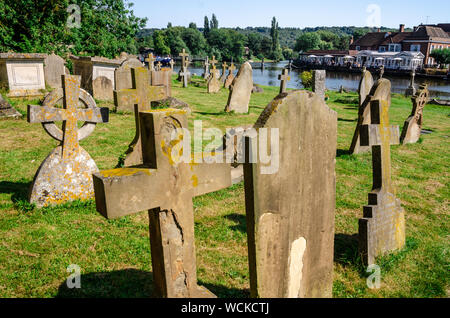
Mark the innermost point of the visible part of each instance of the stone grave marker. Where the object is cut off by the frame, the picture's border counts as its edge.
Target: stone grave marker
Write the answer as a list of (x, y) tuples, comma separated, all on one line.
[(319, 77), (230, 77), (382, 228), (413, 125), (241, 90), (54, 68), (137, 99), (66, 174), (378, 91), (213, 84), (151, 62), (290, 209), (163, 78), (103, 88), (122, 74), (7, 111), (284, 78), (223, 77), (158, 66), (185, 74), (22, 74), (411, 90), (164, 186), (206, 68)]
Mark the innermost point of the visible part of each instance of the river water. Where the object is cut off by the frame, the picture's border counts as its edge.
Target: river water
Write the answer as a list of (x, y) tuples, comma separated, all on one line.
[(350, 81)]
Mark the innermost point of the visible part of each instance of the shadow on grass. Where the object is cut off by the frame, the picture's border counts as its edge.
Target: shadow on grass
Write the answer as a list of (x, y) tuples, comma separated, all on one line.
[(19, 190), (346, 252), (128, 283), (239, 219), (342, 152), (256, 107), (348, 120)]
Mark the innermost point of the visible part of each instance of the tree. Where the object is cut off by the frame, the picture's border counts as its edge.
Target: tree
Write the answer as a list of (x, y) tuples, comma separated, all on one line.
[(442, 56), (206, 27), (214, 22), (307, 79), (160, 44), (169, 25), (192, 25), (307, 41), (195, 41), (274, 35), (107, 27)]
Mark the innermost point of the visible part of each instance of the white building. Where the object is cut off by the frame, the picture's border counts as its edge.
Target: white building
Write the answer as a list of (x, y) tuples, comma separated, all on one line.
[(405, 60)]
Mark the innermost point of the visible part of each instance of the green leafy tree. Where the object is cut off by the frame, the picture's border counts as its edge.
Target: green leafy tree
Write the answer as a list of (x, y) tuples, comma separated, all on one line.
[(307, 79), (307, 41), (192, 25), (274, 34), (160, 43), (442, 56), (195, 41), (206, 28), (214, 22)]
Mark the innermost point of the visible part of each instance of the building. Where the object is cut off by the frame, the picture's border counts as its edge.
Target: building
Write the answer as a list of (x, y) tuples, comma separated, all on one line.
[(403, 61), (328, 57), (424, 39)]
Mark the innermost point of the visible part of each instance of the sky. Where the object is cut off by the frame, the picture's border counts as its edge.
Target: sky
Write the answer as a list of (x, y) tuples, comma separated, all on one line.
[(293, 13)]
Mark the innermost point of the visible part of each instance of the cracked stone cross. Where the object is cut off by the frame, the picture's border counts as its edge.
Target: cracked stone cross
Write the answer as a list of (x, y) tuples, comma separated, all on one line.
[(284, 78), (164, 186), (137, 99), (151, 62), (382, 228)]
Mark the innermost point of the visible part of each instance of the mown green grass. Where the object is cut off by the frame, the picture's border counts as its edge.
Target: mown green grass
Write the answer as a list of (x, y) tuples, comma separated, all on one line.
[(37, 245)]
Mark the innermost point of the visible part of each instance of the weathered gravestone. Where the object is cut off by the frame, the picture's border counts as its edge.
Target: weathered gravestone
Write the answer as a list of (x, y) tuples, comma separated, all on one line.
[(163, 78), (7, 111), (290, 212), (382, 228), (411, 90), (22, 74), (137, 99), (284, 78), (151, 62), (164, 186), (379, 91), (319, 77), (185, 76), (122, 74), (213, 84), (54, 68), (241, 90), (103, 88), (230, 77), (413, 125), (66, 174), (206, 69)]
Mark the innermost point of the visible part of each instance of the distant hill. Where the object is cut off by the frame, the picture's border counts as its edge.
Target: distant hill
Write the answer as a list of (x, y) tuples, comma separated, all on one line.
[(288, 36)]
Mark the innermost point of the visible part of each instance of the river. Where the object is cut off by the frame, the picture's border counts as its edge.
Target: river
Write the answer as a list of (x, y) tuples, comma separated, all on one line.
[(350, 81)]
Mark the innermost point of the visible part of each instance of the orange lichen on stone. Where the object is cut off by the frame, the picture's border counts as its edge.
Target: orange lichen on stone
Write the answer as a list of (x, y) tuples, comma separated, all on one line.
[(124, 172)]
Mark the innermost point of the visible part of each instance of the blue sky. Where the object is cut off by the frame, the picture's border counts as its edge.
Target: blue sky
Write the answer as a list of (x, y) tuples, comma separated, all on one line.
[(291, 13)]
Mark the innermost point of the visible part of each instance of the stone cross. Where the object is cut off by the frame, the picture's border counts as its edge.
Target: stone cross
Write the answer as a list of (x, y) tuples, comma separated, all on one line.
[(284, 78), (184, 56), (231, 68), (185, 74), (65, 175), (213, 63), (382, 228), (290, 216), (137, 99), (151, 62), (230, 77), (411, 90), (158, 66), (171, 64), (381, 71), (165, 186), (413, 125), (206, 70)]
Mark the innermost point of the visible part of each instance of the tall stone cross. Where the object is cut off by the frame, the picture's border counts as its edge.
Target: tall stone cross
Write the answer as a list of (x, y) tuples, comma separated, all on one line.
[(65, 175), (137, 99), (232, 68), (158, 66), (382, 228), (151, 62), (165, 186), (213, 63), (206, 68), (171, 64), (184, 56), (185, 74), (284, 78)]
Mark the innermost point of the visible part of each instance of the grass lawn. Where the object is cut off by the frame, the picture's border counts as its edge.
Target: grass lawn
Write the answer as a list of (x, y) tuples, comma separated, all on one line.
[(37, 245)]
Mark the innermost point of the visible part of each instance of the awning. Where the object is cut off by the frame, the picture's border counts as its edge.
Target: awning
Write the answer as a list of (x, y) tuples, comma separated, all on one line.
[(312, 56), (379, 58), (349, 57), (328, 56), (398, 59)]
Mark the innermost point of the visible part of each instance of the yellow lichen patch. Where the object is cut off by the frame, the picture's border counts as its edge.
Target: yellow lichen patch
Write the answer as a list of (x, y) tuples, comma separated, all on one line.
[(194, 179), (124, 172)]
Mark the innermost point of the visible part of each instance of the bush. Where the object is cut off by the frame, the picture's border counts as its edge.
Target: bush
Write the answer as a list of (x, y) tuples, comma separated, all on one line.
[(307, 79)]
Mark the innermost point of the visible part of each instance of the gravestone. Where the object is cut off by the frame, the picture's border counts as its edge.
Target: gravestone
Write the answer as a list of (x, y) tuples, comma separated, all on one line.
[(137, 99), (171, 102), (290, 210), (158, 66), (185, 75), (172, 63), (382, 228), (7, 111), (163, 78), (103, 88), (89, 68), (378, 91), (224, 72), (66, 174), (230, 77), (54, 68), (213, 84), (319, 77), (413, 125), (241, 90), (151, 62), (206, 69), (284, 78), (22, 74), (122, 74), (164, 186)]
